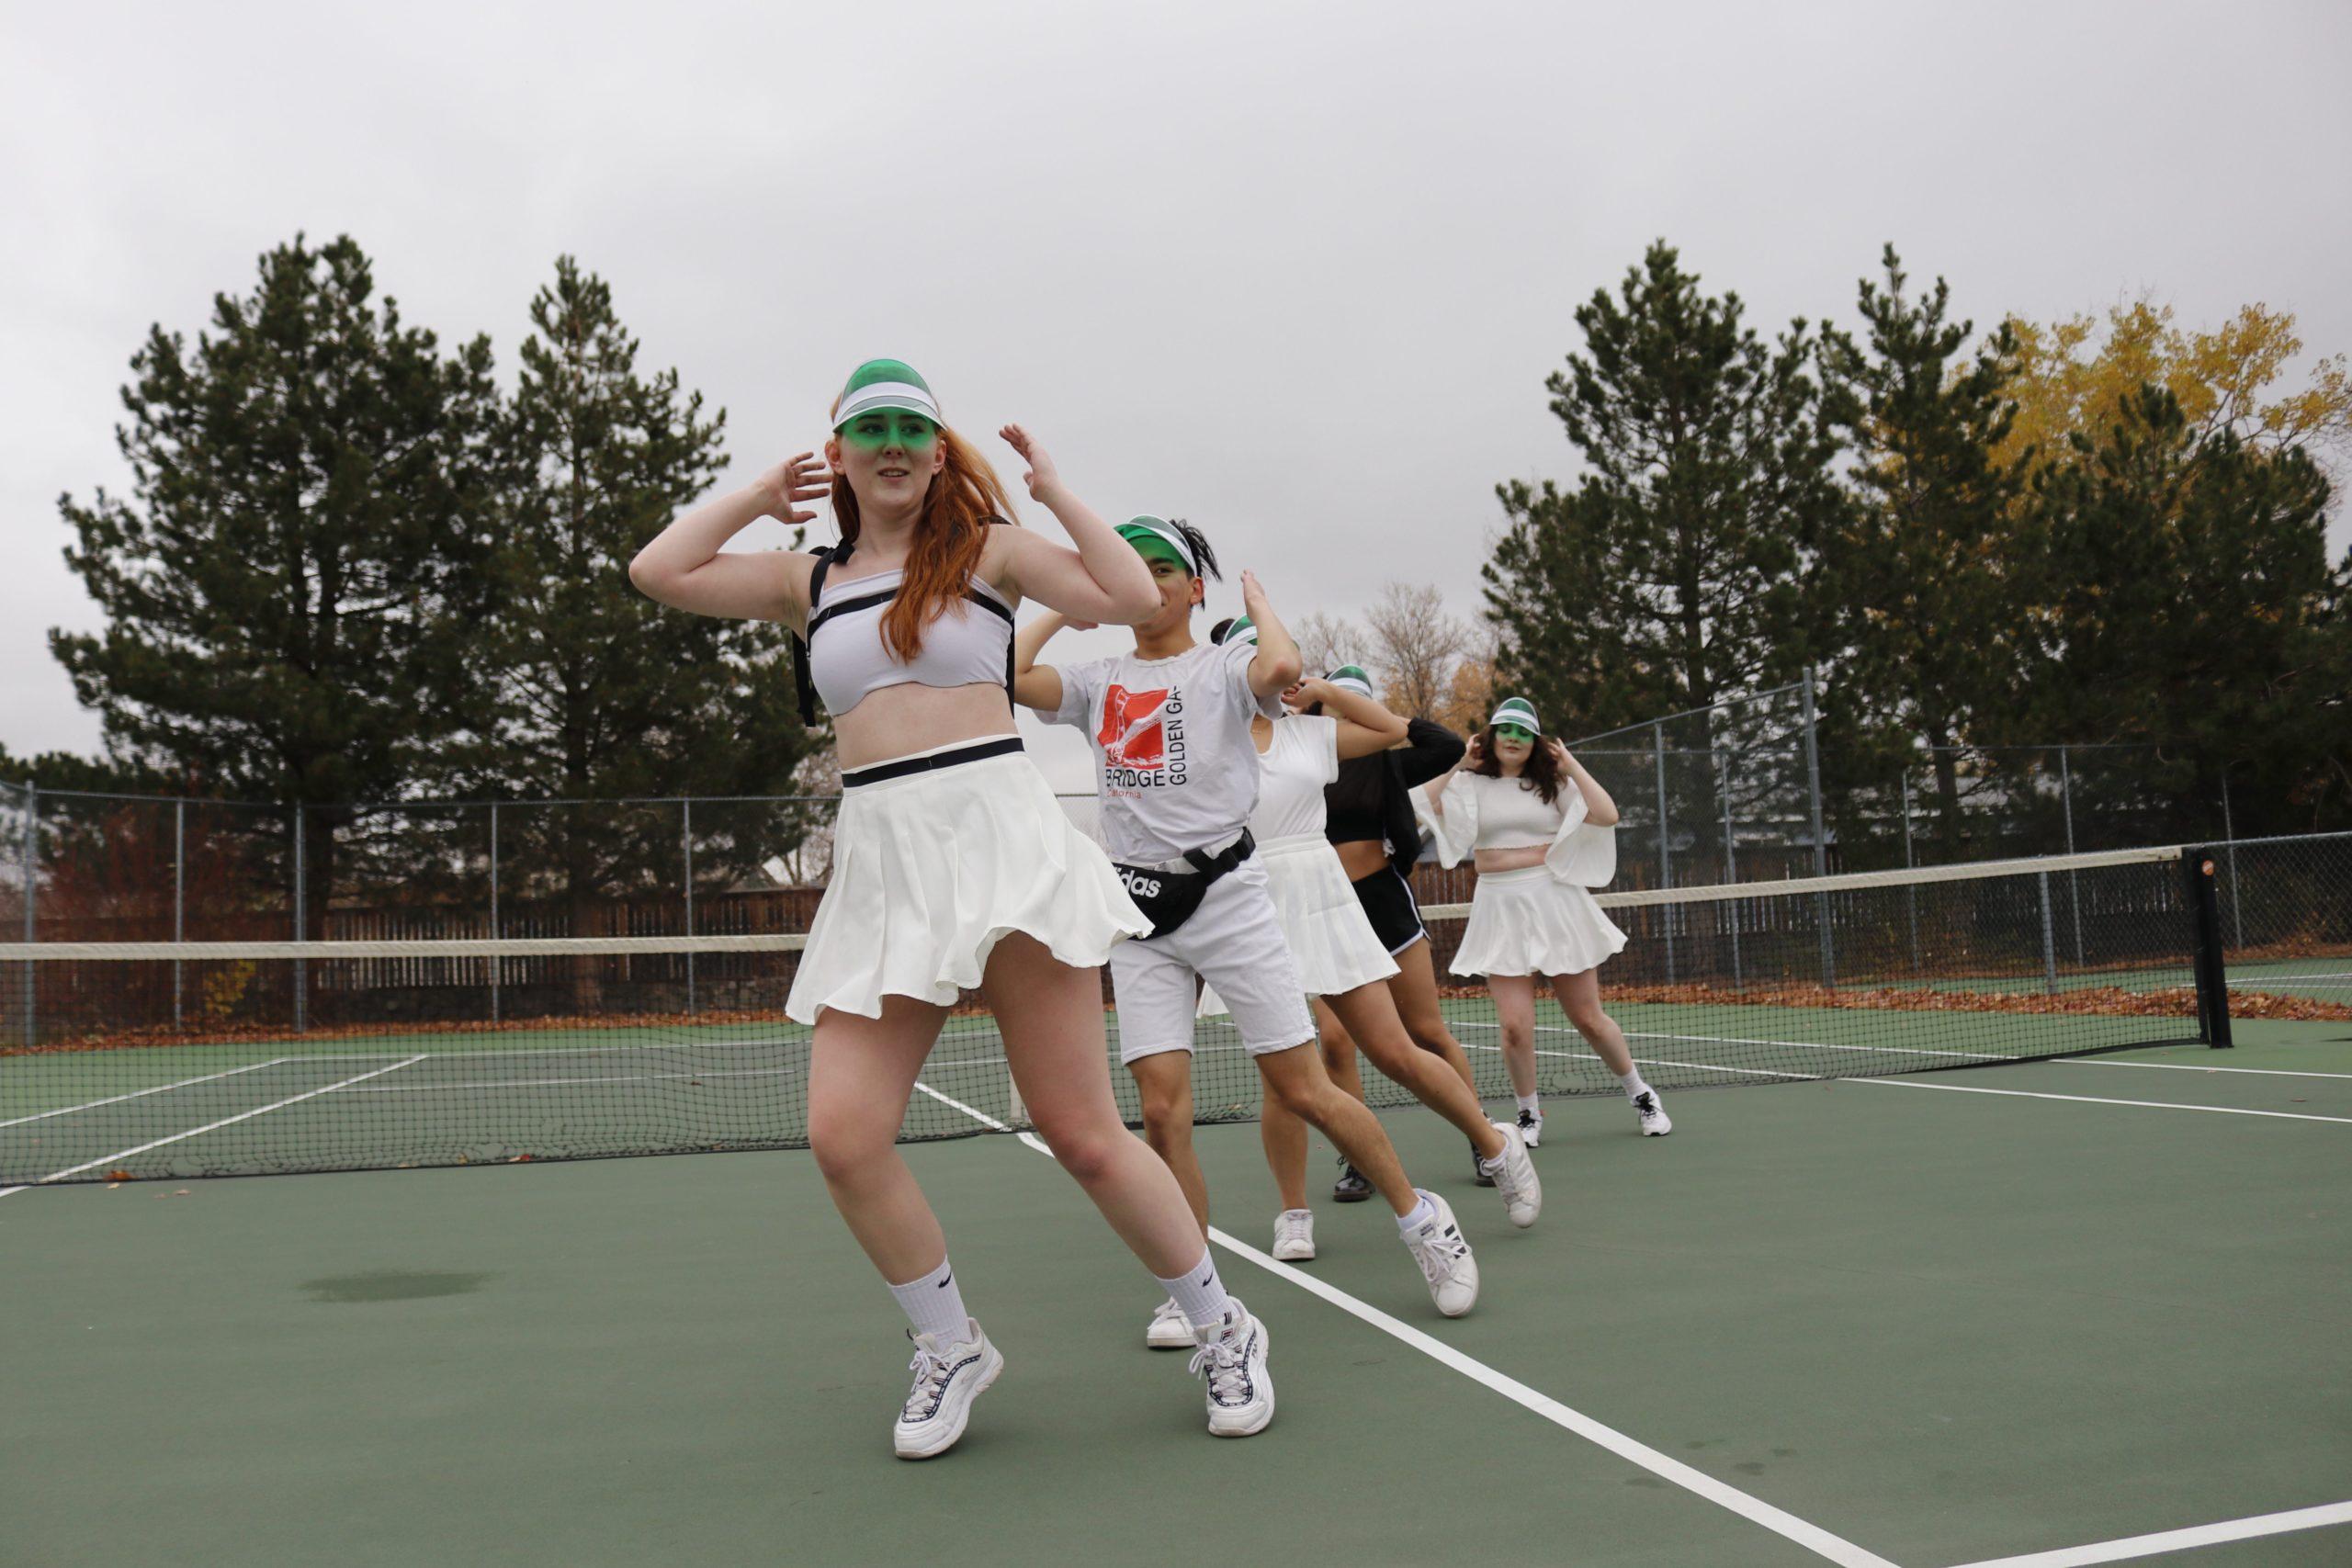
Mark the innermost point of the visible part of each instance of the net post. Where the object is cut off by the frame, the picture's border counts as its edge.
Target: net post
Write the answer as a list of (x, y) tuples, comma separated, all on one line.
[(301, 925), (1731, 862), (1910, 895), (1820, 846), (1665, 852), (2205, 916), (32, 881), (2074, 882), (179, 897), (687, 852), (497, 966), (2048, 937)]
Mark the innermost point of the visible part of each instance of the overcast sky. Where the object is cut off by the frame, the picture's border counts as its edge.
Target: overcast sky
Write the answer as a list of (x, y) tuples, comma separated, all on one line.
[(1294, 272)]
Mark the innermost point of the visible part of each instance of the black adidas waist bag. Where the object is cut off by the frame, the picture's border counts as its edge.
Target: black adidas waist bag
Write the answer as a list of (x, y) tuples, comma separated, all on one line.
[(1168, 898)]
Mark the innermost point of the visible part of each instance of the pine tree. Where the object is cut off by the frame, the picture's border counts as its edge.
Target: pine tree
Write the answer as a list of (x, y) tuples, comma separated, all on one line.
[(1918, 590), (596, 694), (291, 590), (1669, 578)]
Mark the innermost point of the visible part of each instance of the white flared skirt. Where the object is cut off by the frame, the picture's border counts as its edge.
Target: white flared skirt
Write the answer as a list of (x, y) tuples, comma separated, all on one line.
[(1528, 922), (1330, 937), (931, 870)]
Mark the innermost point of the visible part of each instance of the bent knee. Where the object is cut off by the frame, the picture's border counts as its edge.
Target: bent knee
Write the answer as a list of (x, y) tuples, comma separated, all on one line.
[(1087, 1154), (847, 1145)]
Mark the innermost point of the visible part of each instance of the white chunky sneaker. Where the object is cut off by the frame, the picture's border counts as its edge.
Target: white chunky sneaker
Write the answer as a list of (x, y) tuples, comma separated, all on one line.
[(947, 1379), (1515, 1178), (1530, 1127), (1656, 1122), (1232, 1357), (1294, 1236), (1170, 1329), (1438, 1245)]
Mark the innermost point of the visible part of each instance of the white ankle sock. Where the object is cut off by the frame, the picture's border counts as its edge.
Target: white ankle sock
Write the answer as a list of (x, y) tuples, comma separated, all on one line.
[(1198, 1292), (1423, 1211), (1633, 1085), (1531, 1103), (935, 1306)]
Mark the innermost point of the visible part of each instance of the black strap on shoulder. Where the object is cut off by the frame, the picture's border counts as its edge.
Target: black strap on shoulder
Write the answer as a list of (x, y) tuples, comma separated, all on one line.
[(826, 556)]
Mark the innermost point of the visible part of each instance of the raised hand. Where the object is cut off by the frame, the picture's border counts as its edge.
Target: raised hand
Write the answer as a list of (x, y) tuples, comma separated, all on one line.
[(1042, 477), (1306, 693), (792, 481), (1473, 753), (1559, 754)]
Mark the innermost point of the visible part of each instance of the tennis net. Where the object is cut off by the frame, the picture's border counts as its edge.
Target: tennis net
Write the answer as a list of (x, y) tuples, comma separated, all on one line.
[(140, 1060)]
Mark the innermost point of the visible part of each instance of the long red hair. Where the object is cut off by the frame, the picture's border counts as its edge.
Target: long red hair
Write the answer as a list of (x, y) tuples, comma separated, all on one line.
[(950, 534)]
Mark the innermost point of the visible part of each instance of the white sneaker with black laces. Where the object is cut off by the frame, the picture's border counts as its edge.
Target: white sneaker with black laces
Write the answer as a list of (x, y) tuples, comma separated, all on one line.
[(1232, 1357), (947, 1379), (1530, 1127), (1656, 1122), (1294, 1236), (1514, 1177), (1170, 1329), (1438, 1245)]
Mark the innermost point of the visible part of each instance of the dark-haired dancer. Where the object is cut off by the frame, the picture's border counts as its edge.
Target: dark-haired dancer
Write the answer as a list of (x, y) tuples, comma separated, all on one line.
[(1169, 725), (954, 867), (1542, 830), (1340, 959)]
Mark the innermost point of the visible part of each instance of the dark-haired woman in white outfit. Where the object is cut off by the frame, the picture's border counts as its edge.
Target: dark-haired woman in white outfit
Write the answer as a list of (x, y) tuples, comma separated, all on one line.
[(1542, 831)]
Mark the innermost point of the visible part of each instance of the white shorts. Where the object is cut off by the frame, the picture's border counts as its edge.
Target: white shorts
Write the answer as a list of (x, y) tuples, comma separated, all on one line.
[(1233, 942)]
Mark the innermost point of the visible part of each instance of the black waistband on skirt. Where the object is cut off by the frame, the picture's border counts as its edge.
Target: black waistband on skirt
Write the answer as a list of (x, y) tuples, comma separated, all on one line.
[(979, 750)]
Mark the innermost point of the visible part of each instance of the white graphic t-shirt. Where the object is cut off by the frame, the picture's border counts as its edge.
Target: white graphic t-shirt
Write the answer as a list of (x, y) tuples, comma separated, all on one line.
[(1172, 738)]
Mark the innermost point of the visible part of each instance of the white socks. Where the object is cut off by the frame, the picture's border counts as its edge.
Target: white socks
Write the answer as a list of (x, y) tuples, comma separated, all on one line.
[(1532, 1104), (1634, 1086), (934, 1305), (1198, 1292), (1423, 1212)]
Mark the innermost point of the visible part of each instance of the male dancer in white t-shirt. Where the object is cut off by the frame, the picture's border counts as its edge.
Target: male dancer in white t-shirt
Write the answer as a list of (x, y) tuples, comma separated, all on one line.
[(1169, 724)]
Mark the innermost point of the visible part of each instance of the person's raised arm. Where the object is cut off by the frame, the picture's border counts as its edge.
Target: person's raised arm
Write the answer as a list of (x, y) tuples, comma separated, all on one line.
[(1276, 667), (1034, 685), (1472, 754), (1103, 579), (1365, 726), (1599, 810), (686, 568), (1430, 750)]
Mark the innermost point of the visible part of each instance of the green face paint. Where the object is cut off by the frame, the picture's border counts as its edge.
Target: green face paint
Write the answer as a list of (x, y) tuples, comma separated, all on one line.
[(890, 427), (1514, 732)]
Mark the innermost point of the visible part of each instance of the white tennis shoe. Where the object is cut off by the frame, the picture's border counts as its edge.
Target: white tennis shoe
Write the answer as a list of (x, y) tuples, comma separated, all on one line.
[(1437, 1244), (1232, 1357), (1656, 1122), (948, 1378), (1294, 1236), (1515, 1178), (1170, 1329), (1530, 1127)]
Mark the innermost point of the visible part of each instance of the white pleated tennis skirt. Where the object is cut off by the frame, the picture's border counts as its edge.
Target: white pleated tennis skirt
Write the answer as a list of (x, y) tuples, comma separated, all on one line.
[(1330, 937), (1528, 922), (931, 870)]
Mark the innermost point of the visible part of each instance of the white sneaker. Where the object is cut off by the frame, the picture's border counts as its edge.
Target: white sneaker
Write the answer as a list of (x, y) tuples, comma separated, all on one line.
[(1438, 1245), (1294, 1236), (1656, 1122), (1530, 1127), (1515, 1178), (947, 1379), (1232, 1357), (1170, 1329)]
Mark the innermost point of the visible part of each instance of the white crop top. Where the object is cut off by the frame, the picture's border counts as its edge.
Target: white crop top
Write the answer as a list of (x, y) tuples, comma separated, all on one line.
[(965, 645), (1481, 813), (1302, 758)]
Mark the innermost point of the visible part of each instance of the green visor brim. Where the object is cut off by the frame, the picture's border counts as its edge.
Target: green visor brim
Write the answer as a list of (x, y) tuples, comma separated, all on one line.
[(1151, 546)]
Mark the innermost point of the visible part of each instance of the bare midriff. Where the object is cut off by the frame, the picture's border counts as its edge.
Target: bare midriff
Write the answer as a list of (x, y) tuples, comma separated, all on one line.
[(1362, 857), (897, 721), (1489, 862)]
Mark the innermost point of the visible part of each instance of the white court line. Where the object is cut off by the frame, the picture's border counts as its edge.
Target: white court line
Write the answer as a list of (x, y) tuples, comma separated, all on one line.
[(2178, 1540), (1835, 1548), (2193, 1068), (2095, 1100), (224, 1121), (134, 1094)]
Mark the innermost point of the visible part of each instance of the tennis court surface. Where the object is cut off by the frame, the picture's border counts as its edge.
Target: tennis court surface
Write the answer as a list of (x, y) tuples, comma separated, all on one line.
[(2080, 1303)]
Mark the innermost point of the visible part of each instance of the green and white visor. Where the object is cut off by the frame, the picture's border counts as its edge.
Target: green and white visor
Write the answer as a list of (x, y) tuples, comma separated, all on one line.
[(1152, 538), (1352, 678), (886, 384), (1517, 711), (1242, 630)]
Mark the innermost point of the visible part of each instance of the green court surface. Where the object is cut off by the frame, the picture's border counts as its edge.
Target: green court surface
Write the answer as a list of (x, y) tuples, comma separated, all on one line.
[(1910, 1322)]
